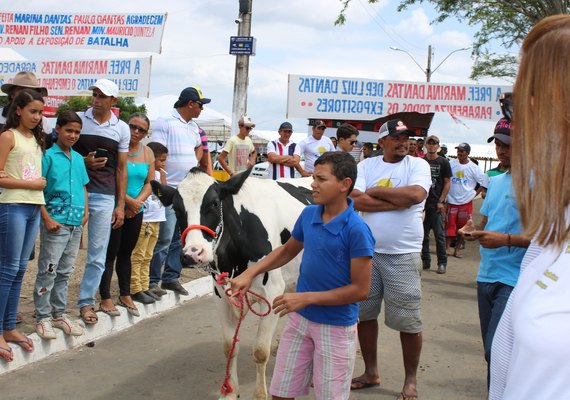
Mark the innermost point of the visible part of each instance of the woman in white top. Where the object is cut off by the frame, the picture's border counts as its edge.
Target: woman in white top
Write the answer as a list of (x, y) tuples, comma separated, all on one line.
[(531, 356)]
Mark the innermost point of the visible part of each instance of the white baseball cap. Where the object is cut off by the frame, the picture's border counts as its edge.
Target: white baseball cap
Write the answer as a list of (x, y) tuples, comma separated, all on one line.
[(108, 87)]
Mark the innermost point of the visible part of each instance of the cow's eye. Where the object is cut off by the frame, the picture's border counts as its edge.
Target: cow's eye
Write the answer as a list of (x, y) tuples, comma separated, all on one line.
[(215, 205)]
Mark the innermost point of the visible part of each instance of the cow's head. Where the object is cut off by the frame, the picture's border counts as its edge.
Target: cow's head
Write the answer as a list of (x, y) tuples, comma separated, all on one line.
[(198, 202)]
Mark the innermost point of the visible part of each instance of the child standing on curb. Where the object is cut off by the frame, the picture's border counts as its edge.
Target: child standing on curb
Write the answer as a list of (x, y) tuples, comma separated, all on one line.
[(21, 147), (318, 343), (152, 217), (63, 218)]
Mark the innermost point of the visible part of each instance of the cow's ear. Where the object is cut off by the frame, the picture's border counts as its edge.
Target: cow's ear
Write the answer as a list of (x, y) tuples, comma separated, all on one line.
[(233, 185), (164, 193)]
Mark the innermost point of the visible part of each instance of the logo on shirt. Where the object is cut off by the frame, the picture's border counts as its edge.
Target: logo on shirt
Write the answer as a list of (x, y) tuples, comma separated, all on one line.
[(460, 174), (321, 149), (386, 182)]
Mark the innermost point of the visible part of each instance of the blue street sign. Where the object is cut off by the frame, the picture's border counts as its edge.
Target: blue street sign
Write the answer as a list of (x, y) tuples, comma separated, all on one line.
[(242, 45)]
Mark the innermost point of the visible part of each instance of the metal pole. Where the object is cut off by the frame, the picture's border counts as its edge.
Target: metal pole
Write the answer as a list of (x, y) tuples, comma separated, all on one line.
[(241, 78), (428, 69)]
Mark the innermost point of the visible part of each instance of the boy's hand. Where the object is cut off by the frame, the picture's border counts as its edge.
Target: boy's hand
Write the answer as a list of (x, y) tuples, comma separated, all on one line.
[(491, 239), (52, 225), (290, 302), (85, 219), (240, 284), (39, 184)]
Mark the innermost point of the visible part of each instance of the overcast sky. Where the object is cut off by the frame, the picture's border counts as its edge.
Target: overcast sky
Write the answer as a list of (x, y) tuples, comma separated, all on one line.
[(293, 37)]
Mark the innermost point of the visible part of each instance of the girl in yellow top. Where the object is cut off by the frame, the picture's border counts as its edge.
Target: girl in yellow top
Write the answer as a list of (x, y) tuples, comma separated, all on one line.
[(21, 147)]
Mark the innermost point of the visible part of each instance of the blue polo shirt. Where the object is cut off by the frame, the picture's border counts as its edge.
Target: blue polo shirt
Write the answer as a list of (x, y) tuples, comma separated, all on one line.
[(503, 263), (329, 248), (65, 179)]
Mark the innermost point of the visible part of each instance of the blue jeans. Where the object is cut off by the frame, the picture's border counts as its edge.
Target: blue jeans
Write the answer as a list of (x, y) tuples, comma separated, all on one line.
[(167, 251), (434, 220), (19, 224), (101, 208), (58, 251), (492, 299)]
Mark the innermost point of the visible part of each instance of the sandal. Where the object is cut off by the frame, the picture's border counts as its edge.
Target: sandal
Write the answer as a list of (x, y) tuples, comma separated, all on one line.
[(26, 344), (88, 315), (6, 353)]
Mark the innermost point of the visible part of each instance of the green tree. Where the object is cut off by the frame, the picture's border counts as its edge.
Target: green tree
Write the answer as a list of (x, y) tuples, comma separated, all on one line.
[(501, 22), (126, 106)]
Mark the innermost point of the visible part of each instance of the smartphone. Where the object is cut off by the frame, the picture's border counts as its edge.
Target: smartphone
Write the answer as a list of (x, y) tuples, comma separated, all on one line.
[(101, 153)]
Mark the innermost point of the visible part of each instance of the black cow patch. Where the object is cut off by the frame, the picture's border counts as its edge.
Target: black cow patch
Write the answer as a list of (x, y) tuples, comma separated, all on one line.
[(285, 235), (265, 278), (216, 292), (304, 195)]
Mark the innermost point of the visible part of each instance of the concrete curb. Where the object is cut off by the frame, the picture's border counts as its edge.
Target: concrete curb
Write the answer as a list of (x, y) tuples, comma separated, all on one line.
[(106, 326)]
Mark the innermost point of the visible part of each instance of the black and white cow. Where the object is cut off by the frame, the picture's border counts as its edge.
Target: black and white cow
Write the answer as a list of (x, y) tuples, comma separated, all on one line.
[(249, 217)]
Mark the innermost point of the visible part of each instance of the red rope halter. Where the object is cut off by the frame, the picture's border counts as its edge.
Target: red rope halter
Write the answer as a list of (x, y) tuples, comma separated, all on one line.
[(237, 301), (191, 227)]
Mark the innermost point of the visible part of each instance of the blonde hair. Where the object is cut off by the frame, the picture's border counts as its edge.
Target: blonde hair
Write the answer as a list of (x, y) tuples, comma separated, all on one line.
[(541, 131)]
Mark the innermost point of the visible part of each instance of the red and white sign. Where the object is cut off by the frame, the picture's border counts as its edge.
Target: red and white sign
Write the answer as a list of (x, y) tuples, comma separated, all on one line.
[(120, 32), (365, 99), (73, 77)]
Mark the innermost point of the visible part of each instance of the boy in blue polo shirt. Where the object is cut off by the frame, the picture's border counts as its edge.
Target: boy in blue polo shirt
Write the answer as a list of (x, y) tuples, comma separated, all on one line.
[(63, 218), (318, 343)]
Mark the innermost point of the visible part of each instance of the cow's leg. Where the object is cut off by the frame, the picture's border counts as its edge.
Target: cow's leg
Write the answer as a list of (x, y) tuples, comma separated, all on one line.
[(265, 331), (261, 352), (229, 319)]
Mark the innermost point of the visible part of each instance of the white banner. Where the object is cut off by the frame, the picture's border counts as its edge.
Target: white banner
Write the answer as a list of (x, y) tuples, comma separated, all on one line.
[(73, 77), (121, 32), (366, 99)]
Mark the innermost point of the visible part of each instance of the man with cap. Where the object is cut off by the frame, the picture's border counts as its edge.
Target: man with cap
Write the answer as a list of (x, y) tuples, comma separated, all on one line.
[(467, 181), (502, 134), (434, 212), (443, 151), (502, 244), (181, 136), (283, 154), (390, 191), (314, 145), (23, 80), (239, 149), (104, 144)]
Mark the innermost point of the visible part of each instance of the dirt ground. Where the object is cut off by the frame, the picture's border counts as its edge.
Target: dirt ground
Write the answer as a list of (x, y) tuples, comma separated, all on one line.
[(26, 306)]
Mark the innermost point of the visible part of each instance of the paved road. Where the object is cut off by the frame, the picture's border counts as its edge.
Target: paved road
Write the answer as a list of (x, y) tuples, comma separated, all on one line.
[(178, 355)]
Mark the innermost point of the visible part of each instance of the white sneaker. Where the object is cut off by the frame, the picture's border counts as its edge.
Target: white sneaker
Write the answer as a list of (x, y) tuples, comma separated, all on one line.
[(44, 329), (67, 325)]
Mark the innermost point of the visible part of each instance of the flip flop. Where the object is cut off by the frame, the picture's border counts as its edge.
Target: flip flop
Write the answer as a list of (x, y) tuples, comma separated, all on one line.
[(88, 315), (111, 313), (10, 356), (358, 384), (404, 396), (20, 343), (457, 255)]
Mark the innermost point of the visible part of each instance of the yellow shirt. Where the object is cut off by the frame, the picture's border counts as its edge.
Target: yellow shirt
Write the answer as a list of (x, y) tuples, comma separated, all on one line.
[(24, 162)]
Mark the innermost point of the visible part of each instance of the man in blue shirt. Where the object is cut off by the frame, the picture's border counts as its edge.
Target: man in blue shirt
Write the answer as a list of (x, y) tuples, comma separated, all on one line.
[(502, 245)]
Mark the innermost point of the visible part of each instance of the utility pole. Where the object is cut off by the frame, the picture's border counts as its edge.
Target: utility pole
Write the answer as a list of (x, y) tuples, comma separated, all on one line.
[(428, 68), (241, 78)]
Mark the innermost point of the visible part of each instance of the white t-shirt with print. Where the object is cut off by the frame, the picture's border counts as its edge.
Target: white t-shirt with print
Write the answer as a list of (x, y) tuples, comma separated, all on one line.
[(464, 179), (313, 149), (238, 150), (399, 231)]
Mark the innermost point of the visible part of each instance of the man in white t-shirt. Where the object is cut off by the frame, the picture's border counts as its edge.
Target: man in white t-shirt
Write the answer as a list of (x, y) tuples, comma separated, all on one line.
[(239, 149), (283, 154), (467, 181), (181, 136), (390, 191), (313, 146)]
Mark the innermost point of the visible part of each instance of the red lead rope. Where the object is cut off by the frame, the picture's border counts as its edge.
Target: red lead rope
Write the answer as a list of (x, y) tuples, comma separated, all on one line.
[(191, 227), (237, 300)]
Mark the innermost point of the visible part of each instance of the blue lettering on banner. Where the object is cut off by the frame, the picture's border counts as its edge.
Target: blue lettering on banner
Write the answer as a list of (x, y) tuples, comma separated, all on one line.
[(28, 18), (120, 67), (106, 41), (17, 66), (97, 30), (480, 93), (345, 106), (56, 30)]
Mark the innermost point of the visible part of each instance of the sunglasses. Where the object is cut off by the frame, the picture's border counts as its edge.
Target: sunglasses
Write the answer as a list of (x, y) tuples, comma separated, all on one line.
[(352, 142), (137, 128), (432, 142), (322, 128), (200, 105)]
